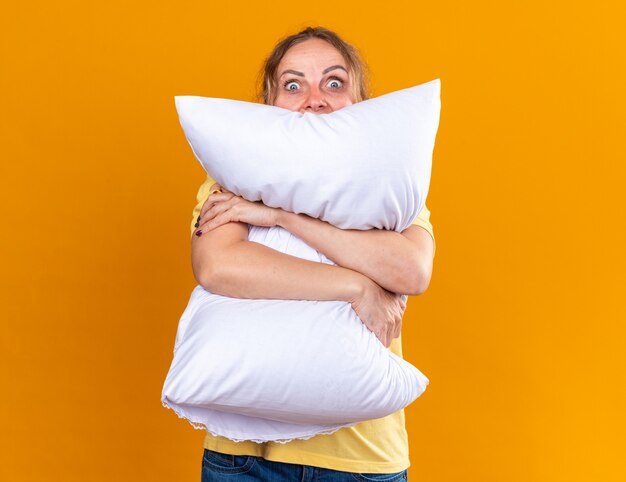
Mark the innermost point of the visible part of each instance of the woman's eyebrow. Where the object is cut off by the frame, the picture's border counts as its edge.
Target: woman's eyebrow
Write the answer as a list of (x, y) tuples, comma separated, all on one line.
[(333, 68), (295, 72)]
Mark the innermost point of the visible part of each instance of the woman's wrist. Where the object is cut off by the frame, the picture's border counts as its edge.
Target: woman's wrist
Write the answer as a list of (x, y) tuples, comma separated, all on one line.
[(353, 284), (283, 218)]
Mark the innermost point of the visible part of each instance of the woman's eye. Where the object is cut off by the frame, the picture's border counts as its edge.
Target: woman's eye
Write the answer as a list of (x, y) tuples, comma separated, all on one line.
[(335, 84), (290, 85)]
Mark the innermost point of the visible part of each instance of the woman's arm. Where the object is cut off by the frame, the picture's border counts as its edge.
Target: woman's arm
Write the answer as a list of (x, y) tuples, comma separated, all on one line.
[(225, 263), (398, 262)]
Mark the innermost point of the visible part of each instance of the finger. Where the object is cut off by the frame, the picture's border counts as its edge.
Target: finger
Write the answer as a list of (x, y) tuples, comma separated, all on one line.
[(390, 334), (400, 316), (218, 188), (212, 199), (398, 330), (218, 209), (214, 210), (208, 202), (206, 217), (393, 327), (225, 195), (214, 223)]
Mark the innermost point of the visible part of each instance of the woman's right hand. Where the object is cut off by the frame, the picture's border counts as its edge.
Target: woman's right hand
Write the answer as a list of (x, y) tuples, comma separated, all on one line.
[(380, 311)]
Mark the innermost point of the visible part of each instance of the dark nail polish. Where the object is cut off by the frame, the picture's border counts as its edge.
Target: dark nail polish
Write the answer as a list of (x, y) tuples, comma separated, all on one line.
[(198, 233), (197, 224)]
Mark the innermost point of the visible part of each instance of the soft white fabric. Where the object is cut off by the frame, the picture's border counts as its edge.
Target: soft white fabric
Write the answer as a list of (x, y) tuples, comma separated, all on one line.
[(277, 370), (364, 166)]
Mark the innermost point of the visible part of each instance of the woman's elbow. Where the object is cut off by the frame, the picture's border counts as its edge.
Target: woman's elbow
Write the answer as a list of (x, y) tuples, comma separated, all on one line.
[(211, 252), (203, 277), (420, 278), (204, 272)]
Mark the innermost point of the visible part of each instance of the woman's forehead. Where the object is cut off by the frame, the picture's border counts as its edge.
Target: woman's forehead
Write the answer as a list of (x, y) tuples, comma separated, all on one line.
[(314, 53)]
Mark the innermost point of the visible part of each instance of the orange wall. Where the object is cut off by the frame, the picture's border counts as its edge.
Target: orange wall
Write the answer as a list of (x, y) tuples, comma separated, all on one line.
[(521, 331)]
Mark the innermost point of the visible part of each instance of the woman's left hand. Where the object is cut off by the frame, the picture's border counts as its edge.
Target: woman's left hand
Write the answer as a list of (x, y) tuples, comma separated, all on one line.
[(224, 207)]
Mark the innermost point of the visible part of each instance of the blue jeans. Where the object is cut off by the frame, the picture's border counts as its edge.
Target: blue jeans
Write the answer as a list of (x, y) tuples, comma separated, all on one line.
[(219, 467)]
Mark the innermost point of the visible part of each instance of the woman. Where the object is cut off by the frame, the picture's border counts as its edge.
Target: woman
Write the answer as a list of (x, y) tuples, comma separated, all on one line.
[(312, 71)]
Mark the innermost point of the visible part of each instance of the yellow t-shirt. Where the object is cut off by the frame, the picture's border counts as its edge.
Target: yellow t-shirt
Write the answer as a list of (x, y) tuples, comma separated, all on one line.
[(371, 446)]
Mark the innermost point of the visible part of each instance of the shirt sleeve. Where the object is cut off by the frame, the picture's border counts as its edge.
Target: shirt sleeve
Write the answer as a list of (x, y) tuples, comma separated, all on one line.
[(423, 220), (201, 197)]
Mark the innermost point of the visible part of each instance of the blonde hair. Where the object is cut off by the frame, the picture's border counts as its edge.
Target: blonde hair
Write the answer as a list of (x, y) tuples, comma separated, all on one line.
[(358, 70)]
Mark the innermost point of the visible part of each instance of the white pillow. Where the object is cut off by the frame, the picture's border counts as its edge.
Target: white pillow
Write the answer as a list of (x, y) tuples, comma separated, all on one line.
[(278, 370), (364, 166), (282, 369)]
